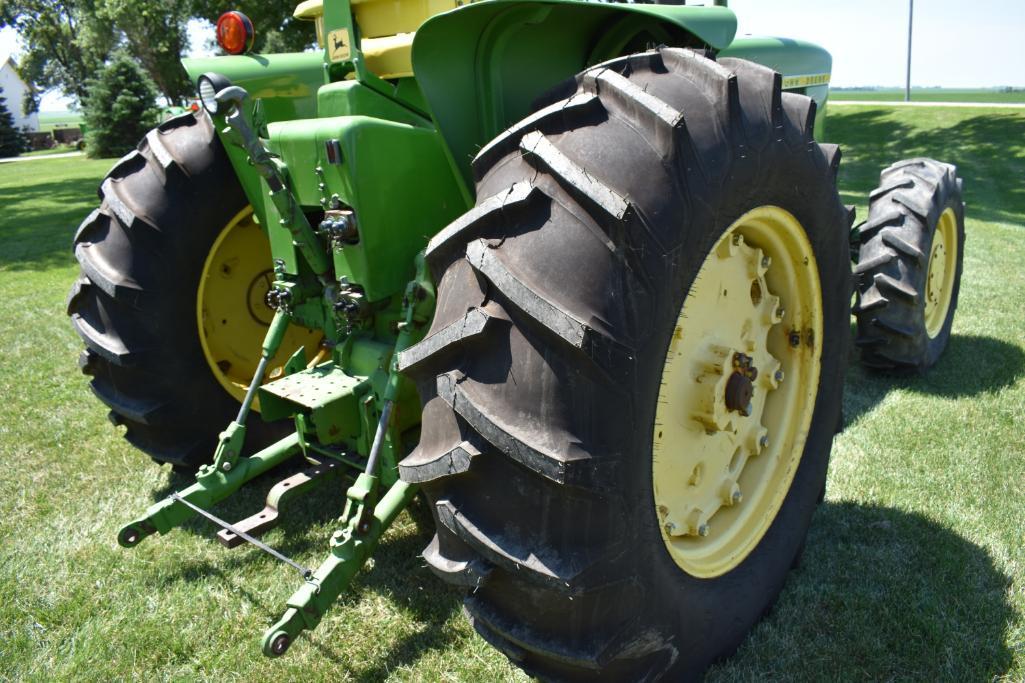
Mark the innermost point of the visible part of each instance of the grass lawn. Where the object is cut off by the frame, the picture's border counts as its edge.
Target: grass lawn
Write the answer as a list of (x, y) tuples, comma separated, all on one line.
[(914, 569), (983, 95)]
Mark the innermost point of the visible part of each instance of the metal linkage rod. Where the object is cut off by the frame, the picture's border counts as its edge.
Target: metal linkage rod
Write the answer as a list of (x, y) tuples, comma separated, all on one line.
[(306, 572)]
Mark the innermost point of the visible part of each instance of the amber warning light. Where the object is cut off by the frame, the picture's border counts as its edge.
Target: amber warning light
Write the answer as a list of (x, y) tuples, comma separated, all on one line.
[(235, 33)]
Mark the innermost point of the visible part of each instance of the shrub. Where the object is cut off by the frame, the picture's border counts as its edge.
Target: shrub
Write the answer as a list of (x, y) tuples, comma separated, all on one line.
[(12, 140), (120, 108)]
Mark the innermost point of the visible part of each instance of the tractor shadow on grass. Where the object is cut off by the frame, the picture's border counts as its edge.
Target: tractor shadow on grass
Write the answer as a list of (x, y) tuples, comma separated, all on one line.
[(882, 594), (970, 366)]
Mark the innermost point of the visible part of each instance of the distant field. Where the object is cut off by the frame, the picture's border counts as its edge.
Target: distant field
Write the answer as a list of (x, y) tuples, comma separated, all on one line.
[(48, 120), (930, 95)]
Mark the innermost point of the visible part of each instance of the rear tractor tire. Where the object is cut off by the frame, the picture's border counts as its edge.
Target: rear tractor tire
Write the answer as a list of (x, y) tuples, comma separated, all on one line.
[(635, 370), (169, 296), (909, 266)]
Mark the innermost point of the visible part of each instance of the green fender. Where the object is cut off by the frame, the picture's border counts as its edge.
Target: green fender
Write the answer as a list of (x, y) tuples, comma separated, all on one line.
[(481, 66)]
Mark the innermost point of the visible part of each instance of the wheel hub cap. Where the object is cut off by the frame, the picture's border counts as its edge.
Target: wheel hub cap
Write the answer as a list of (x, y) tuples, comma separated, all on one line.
[(729, 431)]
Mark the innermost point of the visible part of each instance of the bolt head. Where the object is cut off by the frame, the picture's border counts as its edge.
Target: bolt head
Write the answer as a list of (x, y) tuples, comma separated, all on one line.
[(226, 466), (778, 376), (764, 441), (765, 262), (736, 239), (737, 497), (703, 530), (670, 528)]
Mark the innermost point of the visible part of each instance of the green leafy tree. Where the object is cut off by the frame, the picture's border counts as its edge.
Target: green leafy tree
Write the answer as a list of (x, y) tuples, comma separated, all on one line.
[(12, 141), (154, 31), (66, 42), (120, 107)]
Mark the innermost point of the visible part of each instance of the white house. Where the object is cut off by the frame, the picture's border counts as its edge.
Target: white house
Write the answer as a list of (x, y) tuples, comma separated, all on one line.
[(13, 92)]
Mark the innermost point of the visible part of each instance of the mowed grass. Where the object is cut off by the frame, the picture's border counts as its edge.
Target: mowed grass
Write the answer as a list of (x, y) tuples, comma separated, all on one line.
[(982, 95), (914, 568)]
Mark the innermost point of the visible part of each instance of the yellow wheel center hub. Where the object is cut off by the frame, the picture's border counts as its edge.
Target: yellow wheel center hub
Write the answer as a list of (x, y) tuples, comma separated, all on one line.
[(939, 286), (231, 307), (738, 392)]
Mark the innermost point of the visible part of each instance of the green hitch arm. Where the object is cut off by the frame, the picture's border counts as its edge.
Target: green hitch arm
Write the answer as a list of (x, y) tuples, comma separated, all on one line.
[(350, 550), (212, 486), (231, 440), (241, 131)]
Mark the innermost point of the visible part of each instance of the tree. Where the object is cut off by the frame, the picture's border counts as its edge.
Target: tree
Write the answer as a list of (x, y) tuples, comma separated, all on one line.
[(66, 42), (12, 141), (120, 107), (155, 33)]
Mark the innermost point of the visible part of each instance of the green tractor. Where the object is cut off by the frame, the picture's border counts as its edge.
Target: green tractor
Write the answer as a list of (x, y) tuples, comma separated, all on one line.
[(577, 272)]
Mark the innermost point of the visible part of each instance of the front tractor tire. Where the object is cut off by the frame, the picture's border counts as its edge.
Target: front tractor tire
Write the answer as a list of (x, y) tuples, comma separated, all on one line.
[(163, 358), (909, 266), (634, 374)]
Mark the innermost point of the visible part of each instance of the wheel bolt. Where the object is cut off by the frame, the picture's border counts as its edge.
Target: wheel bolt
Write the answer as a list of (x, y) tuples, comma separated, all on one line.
[(703, 530), (737, 497), (670, 528), (765, 262), (764, 441), (778, 376)]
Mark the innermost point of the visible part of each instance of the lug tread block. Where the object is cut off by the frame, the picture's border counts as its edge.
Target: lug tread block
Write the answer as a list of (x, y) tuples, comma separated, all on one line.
[(891, 217), (130, 163), (419, 467), (699, 68), (108, 279), (144, 410), (493, 211), (565, 325), (626, 99), (799, 111), (870, 301), (469, 574), (108, 346), (92, 228), (888, 187), (120, 209), (832, 154), (169, 166), (866, 341), (874, 262), (182, 456), (760, 90), (590, 657), (73, 302), (916, 203), (539, 151), (892, 239), (894, 328), (472, 326), (518, 643), (563, 468), (553, 571), (884, 282), (566, 113)]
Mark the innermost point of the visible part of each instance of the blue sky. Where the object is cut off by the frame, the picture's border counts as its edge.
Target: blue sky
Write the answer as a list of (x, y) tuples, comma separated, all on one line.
[(957, 43)]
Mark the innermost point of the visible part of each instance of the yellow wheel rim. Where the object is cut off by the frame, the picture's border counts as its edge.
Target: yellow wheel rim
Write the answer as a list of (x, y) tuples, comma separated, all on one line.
[(939, 284), (738, 392), (231, 309)]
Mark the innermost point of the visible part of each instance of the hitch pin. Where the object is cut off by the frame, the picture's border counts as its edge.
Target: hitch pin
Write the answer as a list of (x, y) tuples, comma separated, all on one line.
[(306, 573)]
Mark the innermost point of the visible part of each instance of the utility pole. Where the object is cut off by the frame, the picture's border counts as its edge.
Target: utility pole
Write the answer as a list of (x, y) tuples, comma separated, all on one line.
[(907, 82)]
